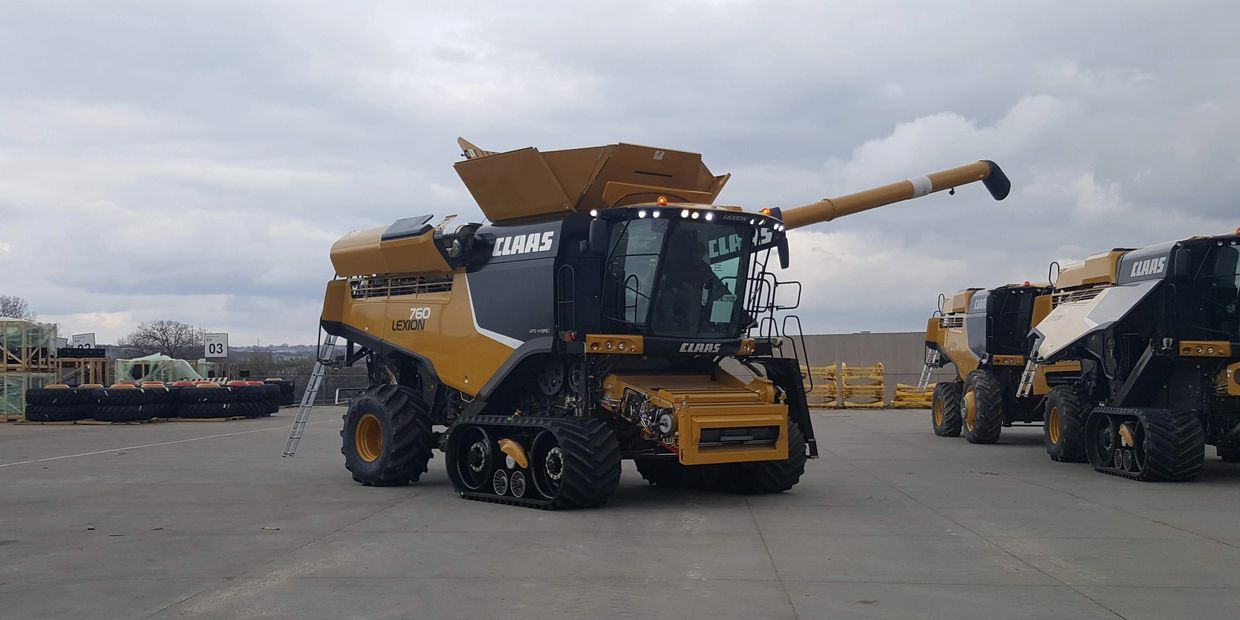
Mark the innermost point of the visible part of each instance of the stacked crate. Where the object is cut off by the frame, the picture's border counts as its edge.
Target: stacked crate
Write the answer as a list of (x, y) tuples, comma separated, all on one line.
[(27, 360), (825, 393), (863, 386), (909, 397)]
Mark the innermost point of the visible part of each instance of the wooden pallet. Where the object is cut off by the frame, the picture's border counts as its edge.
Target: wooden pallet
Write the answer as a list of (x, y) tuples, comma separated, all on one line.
[(107, 423)]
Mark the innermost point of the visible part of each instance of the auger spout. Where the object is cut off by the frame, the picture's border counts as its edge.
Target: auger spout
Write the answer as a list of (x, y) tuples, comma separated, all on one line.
[(827, 209)]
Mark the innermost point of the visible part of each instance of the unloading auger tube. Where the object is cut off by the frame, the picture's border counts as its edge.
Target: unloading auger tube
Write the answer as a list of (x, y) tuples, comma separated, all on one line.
[(827, 209)]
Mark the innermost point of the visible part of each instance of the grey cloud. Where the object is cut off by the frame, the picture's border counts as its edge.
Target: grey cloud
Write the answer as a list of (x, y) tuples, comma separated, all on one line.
[(195, 161)]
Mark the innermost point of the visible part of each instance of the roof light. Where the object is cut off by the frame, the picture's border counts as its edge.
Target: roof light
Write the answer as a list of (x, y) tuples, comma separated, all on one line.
[(684, 213), (593, 212), (661, 201), (695, 215), (654, 213), (641, 214), (766, 211), (710, 216)]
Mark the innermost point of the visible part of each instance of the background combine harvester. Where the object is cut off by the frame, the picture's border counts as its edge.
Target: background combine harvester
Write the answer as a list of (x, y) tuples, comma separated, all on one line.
[(984, 335), (585, 324), (1157, 335)]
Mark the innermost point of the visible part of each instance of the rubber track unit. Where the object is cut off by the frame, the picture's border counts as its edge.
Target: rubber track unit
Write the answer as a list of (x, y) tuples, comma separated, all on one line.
[(1174, 444), (1072, 437), (988, 399), (591, 460), (412, 439), (949, 395)]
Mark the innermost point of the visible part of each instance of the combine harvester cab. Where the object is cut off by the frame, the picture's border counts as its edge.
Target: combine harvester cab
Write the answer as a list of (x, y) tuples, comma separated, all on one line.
[(1158, 338), (585, 324), (984, 335)]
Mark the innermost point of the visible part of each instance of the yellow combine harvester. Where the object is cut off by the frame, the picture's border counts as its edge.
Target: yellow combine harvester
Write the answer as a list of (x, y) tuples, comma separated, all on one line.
[(984, 335), (585, 324)]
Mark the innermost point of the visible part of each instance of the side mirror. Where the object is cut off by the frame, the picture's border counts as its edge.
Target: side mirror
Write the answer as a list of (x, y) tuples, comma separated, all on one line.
[(598, 239), (782, 249)]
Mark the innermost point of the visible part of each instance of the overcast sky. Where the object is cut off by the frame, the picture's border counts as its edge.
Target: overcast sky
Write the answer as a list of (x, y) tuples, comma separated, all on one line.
[(195, 161)]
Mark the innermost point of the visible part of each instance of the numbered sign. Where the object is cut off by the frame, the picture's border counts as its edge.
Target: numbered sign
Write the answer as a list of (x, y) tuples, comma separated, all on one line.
[(217, 345), (82, 341)]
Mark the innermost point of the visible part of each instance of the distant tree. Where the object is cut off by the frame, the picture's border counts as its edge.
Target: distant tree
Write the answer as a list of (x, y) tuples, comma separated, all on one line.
[(172, 338), (14, 307)]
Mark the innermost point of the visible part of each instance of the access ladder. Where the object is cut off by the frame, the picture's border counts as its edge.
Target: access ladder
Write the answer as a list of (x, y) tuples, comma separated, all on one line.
[(312, 392), (1025, 387), (932, 360)]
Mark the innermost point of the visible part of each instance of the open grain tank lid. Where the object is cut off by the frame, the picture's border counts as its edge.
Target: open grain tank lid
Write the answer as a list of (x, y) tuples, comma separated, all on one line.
[(528, 183)]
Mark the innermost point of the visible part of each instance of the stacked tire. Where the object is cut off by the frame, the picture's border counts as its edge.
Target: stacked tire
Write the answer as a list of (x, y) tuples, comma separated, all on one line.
[(57, 403), (206, 400), (249, 398), (127, 402), (286, 390)]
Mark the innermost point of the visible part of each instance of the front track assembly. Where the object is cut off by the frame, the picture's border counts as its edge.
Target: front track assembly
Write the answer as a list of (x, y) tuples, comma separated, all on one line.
[(1156, 445), (534, 461)]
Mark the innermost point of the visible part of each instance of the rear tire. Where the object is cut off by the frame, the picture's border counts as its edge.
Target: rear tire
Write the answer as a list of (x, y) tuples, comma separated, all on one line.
[(661, 472), (387, 437), (1229, 451), (945, 409), (1064, 425), (982, 407), (763, 477)]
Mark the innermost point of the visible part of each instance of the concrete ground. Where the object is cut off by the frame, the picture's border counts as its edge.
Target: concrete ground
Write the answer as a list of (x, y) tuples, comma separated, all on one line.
[(181, 519)]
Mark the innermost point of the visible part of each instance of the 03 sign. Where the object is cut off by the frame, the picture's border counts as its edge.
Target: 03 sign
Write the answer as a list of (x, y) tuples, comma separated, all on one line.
[(216, 345)]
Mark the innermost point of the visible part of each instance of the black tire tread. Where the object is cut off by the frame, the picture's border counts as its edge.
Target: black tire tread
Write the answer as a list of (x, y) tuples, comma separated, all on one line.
[(55, 413), (126, 413), (1229, 452), (414, 439), (591, 463), (949, 394), (988, 398), (1174, 446), (763, 477), (1073, 413)]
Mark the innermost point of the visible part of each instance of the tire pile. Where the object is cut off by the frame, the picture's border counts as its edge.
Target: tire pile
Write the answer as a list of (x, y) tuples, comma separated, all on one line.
[(133, 402)]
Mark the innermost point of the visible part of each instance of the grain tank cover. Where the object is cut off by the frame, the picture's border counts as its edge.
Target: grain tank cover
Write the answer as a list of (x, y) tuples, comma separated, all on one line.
[(529, 183)]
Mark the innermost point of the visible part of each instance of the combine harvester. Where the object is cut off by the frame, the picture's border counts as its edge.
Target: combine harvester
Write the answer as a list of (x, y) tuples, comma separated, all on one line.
[(1157, 335), (585, 324), (984, 335)]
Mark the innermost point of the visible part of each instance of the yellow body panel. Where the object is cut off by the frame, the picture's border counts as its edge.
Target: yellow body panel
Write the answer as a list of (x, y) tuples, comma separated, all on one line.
[(463, 357), (1095, 270), (1229, 380), (363, 253), (956, 345), (1205, 348), (721, 401), (959, 302)]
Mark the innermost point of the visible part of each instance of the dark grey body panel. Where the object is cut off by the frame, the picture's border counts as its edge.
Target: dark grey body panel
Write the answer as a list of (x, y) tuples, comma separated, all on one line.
[(975, 323)]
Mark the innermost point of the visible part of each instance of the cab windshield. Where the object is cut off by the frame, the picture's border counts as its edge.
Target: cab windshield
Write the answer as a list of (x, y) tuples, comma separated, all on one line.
[(1218, 290), (679, 278)]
